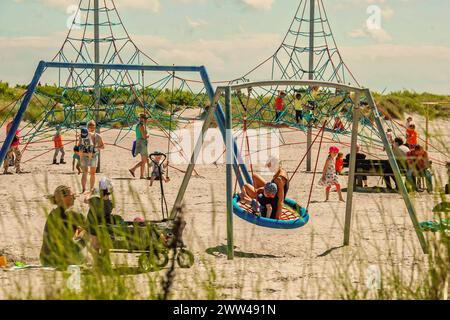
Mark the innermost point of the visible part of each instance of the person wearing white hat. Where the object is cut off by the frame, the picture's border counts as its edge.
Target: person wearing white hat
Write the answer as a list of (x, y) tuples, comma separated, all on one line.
[(101, 206)]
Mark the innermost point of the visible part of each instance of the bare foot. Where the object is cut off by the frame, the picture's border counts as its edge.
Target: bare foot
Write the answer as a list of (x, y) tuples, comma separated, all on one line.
[(342, 200)]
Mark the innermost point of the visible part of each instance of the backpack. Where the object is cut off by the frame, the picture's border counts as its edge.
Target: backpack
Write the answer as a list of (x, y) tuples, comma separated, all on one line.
[(133, 149)]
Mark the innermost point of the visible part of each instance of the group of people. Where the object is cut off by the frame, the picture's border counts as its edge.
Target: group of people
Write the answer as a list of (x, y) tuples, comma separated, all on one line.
[(67, 232), (411, 156), (266, 198), (304, 105), (86, 154)]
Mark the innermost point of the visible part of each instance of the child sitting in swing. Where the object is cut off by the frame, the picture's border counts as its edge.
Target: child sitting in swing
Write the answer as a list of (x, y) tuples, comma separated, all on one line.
[(158, 168), (266, 202)]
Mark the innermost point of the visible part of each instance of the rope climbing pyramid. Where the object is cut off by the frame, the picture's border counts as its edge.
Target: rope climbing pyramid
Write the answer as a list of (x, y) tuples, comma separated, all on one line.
[(113, 97), (102, 28), (308, 51)]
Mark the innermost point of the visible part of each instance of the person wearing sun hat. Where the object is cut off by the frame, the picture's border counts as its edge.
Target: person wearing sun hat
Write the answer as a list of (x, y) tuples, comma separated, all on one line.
[(141, 145), (64, 232), (100, 216), (329, 176)]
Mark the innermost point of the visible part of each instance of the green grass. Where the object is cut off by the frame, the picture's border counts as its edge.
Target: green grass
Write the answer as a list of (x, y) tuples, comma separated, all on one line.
[(395, 104), (399, 103)]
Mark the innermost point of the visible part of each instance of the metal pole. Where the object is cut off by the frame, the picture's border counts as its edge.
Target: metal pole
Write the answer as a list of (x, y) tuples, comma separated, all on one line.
[(352, 168), (229, 145), (191, 166), (23, 107), (310, 76), (397, 174), (97, 71)]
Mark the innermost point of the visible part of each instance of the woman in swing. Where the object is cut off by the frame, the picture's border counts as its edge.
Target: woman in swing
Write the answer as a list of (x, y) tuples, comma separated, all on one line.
[(280, 179)]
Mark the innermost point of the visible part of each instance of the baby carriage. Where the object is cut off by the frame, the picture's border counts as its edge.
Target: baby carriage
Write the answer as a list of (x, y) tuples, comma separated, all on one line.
[(153, 240)]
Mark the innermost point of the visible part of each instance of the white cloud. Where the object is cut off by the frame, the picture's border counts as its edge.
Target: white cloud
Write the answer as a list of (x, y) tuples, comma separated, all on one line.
[(379, 35), (151, 5), (265, 5), (195, 23)]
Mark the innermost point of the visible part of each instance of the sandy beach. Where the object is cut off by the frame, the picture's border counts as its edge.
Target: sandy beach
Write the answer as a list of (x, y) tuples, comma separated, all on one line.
[(268, 264)]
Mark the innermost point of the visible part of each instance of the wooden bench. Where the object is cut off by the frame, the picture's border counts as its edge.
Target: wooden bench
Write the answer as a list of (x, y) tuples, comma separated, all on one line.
[(370, 167)]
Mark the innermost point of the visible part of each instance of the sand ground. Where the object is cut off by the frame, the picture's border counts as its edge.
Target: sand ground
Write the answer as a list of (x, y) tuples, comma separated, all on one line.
[(269, 264)]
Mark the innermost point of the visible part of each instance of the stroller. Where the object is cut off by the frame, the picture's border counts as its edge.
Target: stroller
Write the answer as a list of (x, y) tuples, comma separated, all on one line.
[(153, 240)]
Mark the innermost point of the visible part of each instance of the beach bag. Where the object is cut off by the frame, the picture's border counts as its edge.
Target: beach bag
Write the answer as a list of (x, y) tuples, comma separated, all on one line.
[(133, 149)]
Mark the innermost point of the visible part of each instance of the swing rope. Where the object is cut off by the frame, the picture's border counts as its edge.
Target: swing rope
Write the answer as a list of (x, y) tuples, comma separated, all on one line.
[(322, 130), (315, 167)]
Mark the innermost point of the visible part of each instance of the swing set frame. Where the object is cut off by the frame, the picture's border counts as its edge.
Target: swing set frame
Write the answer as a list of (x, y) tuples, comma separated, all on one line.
[(234, 160)]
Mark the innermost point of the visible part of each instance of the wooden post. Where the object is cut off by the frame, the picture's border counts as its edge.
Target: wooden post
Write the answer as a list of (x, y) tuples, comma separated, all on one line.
[(398, 177), (229, 173), (352, 168)]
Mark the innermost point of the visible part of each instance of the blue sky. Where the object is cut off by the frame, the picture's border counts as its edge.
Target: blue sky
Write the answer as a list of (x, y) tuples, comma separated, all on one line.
[(411, 51)]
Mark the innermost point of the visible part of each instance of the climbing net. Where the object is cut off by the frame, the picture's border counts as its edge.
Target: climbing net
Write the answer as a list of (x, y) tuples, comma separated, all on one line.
[(327, 110), (113, 98), (291, 61)]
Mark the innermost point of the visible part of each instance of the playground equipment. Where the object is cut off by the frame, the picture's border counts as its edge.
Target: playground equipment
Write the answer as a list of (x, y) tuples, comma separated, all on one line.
[(114, 88), (113, 98), (293, 216), (144, 238)]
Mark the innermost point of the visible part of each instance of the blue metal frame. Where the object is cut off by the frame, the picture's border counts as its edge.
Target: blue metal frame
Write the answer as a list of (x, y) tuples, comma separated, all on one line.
[(219, 114)]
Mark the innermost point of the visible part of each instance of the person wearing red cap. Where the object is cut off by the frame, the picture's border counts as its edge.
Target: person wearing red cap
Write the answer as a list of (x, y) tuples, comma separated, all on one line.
[(329, 176)]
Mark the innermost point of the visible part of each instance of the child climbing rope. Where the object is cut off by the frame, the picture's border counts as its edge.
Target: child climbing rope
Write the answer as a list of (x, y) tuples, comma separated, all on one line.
[(298, 106), (59, 147), (279, 105), (329, 176)]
